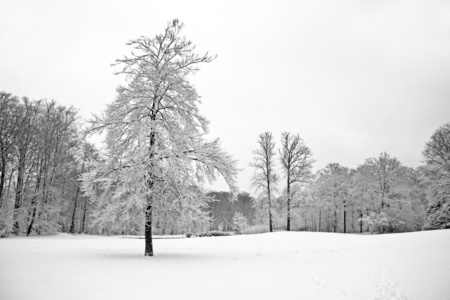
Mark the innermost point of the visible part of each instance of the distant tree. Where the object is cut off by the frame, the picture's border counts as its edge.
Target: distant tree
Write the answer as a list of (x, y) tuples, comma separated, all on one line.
[(222, 209), (303, 206), (84, 154), (437, 177), (384, 170), (10, 127), (10, 124), (335, 184), (362, 193), (437, 149), (25, 144), (391, 184), (264, 178), (296, 160), (57, 131), (239, 222), (155, 134), (36, 142)]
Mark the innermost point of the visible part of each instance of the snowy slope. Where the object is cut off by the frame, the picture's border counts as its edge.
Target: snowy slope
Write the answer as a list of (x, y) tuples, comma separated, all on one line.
[(283, 265)]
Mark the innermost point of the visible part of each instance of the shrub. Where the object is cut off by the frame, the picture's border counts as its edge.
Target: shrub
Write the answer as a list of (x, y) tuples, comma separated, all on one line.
[(213, 233), (219, 233)]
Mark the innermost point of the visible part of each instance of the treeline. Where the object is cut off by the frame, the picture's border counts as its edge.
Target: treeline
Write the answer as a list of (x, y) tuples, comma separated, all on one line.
[(41, 157), (381, 195), (43, 154), (223, 210)]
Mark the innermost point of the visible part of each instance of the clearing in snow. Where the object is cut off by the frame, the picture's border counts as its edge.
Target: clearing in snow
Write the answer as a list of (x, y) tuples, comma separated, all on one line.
[(281, 265)]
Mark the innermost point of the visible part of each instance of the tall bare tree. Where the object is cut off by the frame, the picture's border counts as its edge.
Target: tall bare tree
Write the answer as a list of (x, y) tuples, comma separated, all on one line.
[(296, 160), (264, 177)]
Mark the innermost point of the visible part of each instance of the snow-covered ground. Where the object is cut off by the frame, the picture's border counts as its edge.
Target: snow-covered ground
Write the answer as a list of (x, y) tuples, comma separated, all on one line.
[(282, 265)]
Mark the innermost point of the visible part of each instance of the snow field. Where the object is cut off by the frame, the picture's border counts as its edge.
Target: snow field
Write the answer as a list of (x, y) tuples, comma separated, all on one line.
[(281, 265)]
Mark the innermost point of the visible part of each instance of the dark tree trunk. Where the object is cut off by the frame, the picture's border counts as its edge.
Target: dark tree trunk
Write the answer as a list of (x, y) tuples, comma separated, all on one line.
[(270, 207), (288, 224), (320, 219), (149, 210), (2, 179), (18, 198), (33, 214), (360, 222), (72, 223), (44, 195), (270, 221), (148, 228), (77, 193), (34, 200), (83, 222), (345, 220), (335, 220)]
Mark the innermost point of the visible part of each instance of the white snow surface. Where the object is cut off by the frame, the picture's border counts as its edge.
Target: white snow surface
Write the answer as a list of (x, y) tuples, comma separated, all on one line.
[(280, 265)]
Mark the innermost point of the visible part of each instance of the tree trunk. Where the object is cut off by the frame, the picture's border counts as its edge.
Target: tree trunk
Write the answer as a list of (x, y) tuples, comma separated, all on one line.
[(83, 223), (148, 227), (149, 210), (360, 222), (270, 207), (335, 220), (288, 225), (35, 198), (18, 200), (44, 194), (345, 220), (2, 179), (72, 224), (353, 220), (33, 214), (320, 219)]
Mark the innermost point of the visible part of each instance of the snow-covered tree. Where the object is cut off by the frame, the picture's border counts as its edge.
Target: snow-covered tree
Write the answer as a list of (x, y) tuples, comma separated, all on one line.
[(156, 149), (84, 153), (334, 182), (391, 185), (264, 177), (437, 178), (239, 222), (296, 160)]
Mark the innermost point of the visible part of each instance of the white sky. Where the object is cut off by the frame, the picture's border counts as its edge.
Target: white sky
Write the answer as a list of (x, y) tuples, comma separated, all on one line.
[(353, 78)]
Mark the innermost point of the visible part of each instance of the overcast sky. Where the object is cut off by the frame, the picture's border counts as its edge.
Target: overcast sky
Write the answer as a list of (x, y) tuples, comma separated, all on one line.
[(353, 78)]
